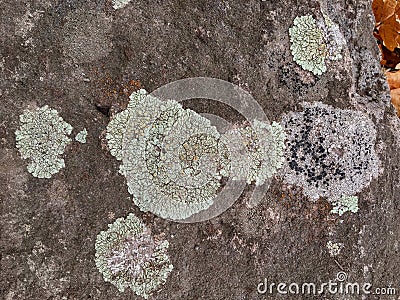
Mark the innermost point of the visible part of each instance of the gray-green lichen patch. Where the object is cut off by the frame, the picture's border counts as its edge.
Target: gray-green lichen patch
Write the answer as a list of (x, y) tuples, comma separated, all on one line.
[(307, 44), (334, 248), (344, 204), (173, 159), (175, 168), (330, 152), (137, 114), (128, 256), (42, 138), (117, 4), (81, 136), (256, 151), (313, 43)]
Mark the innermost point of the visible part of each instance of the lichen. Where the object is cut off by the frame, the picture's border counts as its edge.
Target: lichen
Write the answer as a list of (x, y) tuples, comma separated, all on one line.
[(128, 256), (307, 44), (334, 248), (174, 169), (257, 151), (117, 4), (81, 136), (334, 39), (344, 204), (42, 138), (175, 161), (330, 151), (135, 112), (314, 43)]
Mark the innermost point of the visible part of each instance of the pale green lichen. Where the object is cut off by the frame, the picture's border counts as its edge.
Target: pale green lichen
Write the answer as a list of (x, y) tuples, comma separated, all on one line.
[(174, 169), (314, 43), (344, 204), (42, 138), (128, 256), (173, 159), (117, 4), (334, 248), (135, 112), (257, 151), (307, 44), (81, 136)]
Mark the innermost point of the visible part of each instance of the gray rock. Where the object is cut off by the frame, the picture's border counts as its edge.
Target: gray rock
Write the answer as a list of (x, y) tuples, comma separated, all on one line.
[(48, 227)]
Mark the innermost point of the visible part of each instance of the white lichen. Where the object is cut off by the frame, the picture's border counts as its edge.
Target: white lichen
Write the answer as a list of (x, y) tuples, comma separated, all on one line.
[(175, 161), (330, 151), (175, 168), (128, 256), (136, 113), (256, 151), (334, 38), (334, 248), (344, 204), (117, 4), (42, 138), (81, 136)]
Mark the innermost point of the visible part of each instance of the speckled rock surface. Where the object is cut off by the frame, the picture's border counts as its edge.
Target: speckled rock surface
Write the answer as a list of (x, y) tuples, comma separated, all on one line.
[(82, 57)]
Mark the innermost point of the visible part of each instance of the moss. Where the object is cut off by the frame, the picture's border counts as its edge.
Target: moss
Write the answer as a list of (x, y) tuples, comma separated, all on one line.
[(128, 256), (42, 138)]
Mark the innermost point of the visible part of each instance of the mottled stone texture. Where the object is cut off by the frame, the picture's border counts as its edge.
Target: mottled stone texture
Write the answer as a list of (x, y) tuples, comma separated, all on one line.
[(48, 227)]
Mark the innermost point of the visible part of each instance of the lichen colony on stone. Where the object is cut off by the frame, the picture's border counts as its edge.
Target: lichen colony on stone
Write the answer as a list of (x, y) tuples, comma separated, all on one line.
[(81, 136), (313, 43), (42, 138), (344, 204), (257, 151), (330, 152), (174, 160), (128, 256), (174, 169)]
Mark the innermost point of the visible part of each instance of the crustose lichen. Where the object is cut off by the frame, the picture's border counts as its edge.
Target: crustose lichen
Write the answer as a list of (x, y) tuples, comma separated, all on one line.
[(312, 42), (174, 160), (128, 256), (42, 138)]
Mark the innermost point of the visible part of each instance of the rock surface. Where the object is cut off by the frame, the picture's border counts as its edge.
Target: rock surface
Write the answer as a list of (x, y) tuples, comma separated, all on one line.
[(82, 57)]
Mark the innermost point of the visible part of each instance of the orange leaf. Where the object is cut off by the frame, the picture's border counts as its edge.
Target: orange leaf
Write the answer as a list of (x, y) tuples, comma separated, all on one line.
[(395, 94), (393, 79), (387, 18), (383, 9)]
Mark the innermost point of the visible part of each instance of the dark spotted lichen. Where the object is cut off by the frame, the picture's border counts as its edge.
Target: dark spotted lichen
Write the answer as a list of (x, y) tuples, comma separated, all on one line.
[(330, 152)]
